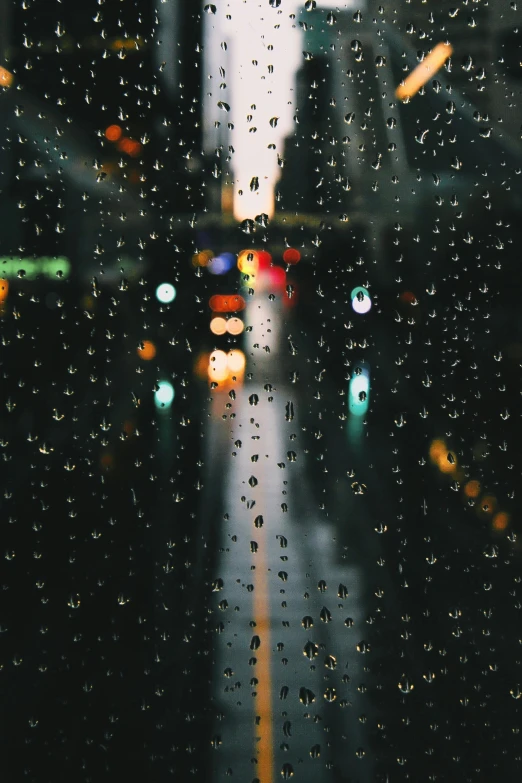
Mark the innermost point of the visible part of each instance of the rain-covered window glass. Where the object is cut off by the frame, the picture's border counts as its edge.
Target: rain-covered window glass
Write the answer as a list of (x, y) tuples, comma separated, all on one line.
[(261, 341)]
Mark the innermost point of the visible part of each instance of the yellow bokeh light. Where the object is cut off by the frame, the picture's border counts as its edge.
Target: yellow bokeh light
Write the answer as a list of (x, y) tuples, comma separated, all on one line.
[(248, 262), (202, 258), (235, 326), (218, 368), (236, 361), (437, 448), (218, 325), (4, 290)]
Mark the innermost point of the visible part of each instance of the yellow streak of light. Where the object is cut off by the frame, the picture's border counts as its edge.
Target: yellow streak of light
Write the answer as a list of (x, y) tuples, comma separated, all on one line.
[(424, 71)]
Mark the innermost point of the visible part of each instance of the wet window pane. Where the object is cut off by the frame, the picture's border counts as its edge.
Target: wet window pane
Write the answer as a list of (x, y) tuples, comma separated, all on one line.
[(260, 351)]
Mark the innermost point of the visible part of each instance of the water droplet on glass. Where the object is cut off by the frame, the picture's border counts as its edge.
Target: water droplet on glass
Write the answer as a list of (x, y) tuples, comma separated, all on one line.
[(306, 696)]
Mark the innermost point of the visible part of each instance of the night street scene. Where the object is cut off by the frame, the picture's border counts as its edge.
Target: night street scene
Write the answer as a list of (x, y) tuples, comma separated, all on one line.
[(260, 416)]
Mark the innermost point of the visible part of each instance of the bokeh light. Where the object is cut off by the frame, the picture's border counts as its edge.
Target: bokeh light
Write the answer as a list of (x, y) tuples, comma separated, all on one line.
[(218, 325), (202, 258), (218, 366), (291, 255), (361, 302), (164, 395), (248, 262), (235, 326), (147, 350), (113, 133), (500, 521), (165, 293), (472, 489), (236, 361), (221, 264)]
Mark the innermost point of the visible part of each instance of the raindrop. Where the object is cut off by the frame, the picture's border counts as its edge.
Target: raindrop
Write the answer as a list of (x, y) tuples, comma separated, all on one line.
[(253, 399), (405, 686), (306, 696), (307, 622), (342, 591), (258, 521), (358, 488), (325, 615), (311, 650), (210, 8)]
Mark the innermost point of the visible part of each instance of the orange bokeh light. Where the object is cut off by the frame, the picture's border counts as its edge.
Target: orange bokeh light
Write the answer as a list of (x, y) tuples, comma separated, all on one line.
[(202, 258), (113, 133), (248, 262), (226, 303), (4, 290), (501, 520), (147, 350), (6, 77), (472, 489), (201, 365), (129, 147)]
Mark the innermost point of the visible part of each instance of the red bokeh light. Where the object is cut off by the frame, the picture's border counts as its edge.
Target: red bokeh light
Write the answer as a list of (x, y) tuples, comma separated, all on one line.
[(291, 256)]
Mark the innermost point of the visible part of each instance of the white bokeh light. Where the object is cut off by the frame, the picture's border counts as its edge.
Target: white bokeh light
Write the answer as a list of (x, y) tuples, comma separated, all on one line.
[(165, 293), (164, 395)]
